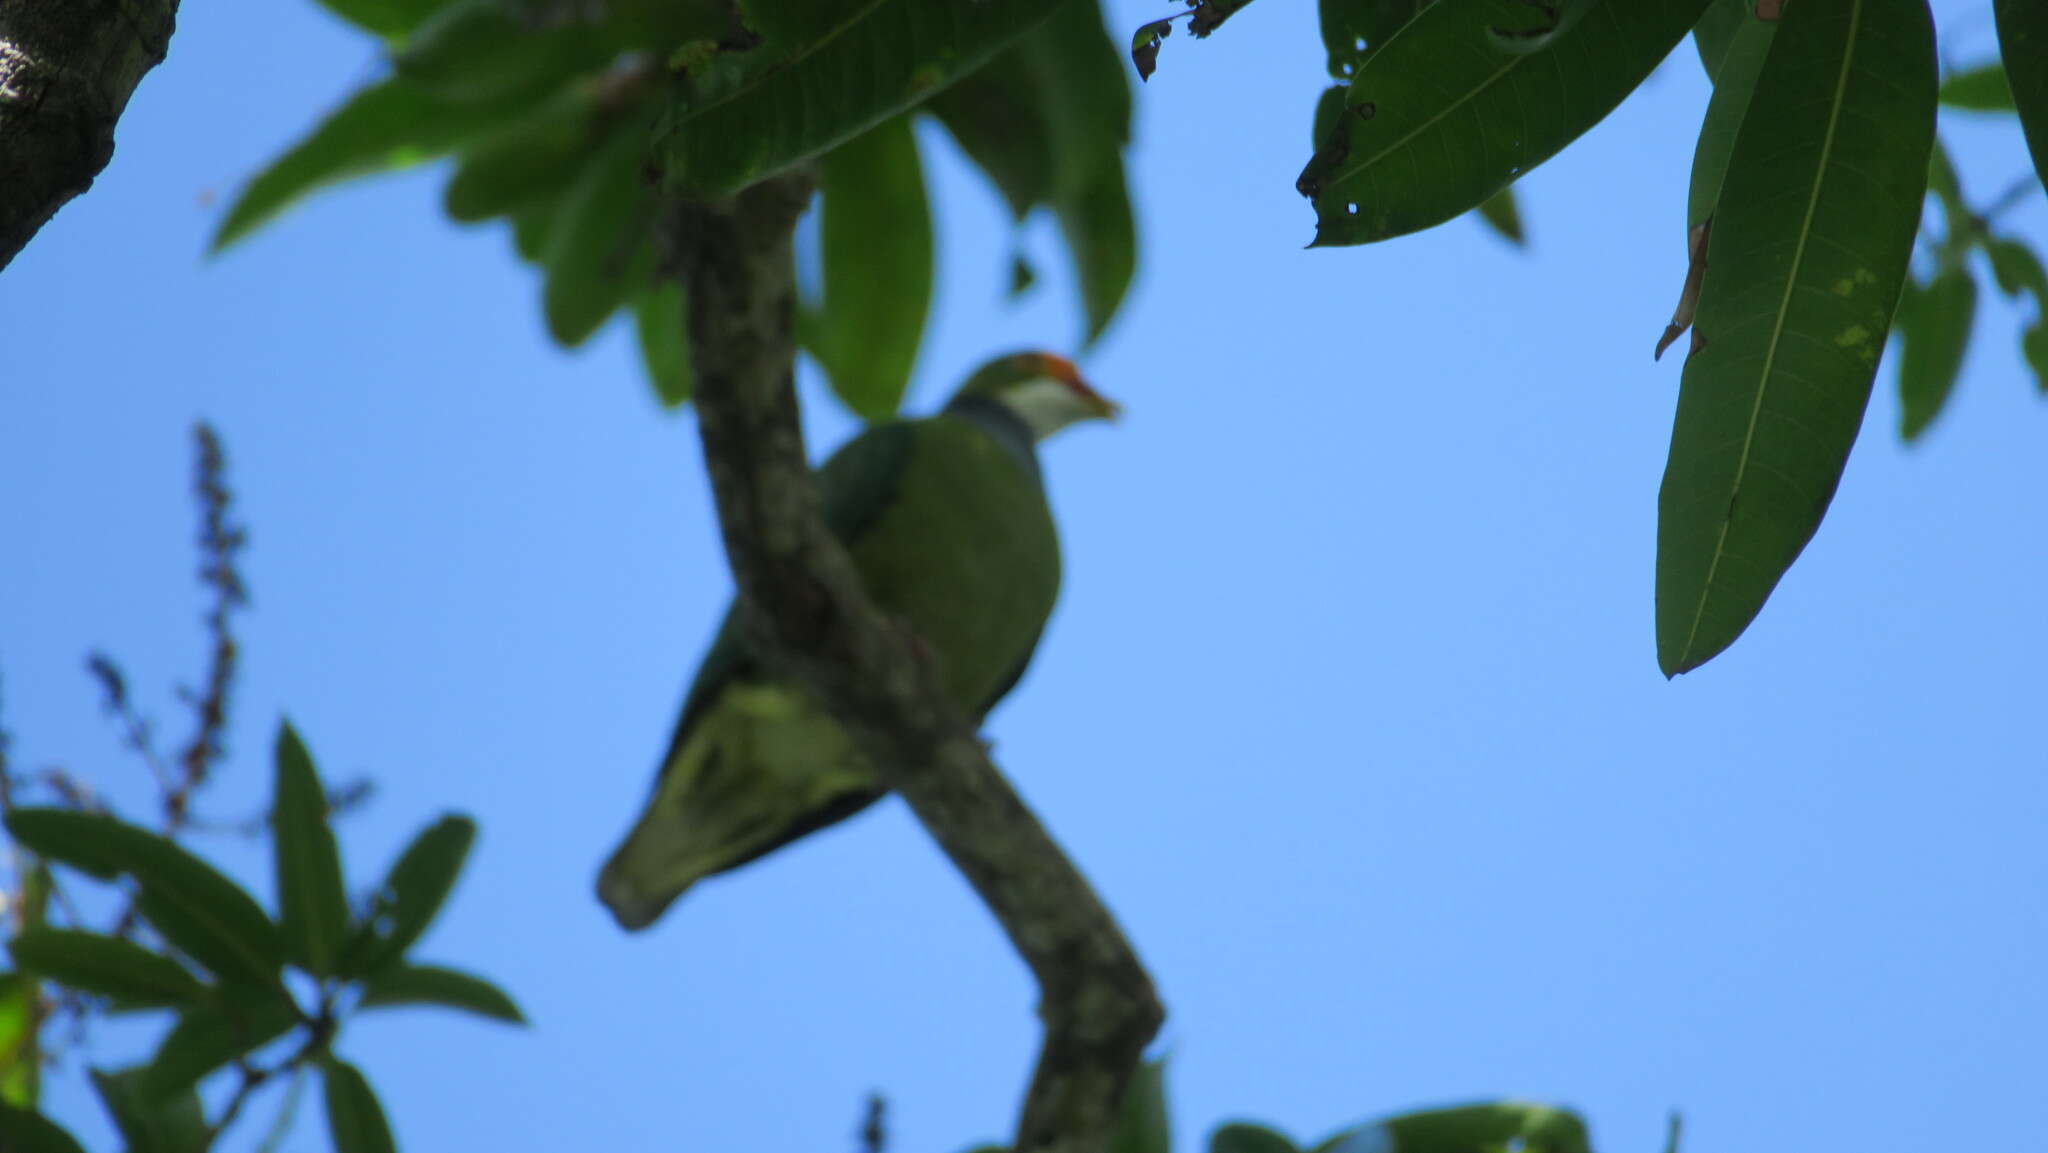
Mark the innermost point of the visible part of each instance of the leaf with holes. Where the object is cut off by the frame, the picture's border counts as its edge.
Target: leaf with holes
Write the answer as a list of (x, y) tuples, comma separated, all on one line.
[(1354, 29), (1811, 237), (410, 897), (1441, 117)]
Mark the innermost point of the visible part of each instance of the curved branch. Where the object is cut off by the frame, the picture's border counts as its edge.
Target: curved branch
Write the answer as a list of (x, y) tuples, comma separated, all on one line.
[(811, 614), (67, 69)]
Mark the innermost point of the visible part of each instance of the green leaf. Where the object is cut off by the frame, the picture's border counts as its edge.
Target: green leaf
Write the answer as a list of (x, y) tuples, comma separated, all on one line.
[(1500, 213), (1808, 250), (1935, 322), (478, 52), (1741, 61), (598, 245), (1715, 30), (382, 128), (388, 18), (2017, 269), (148, 1122), (108, 966), (27, 1131), (1480, 1128), (1142, 1124), (410, 897), (433, 985), (209, 1036), (878, 258), (529, 161), (21, 1058), (1244, 1137), (533, 229), (1440, 118), (354, 1116), (2034, 347), (1102, 234), (197, 909), (998, 117), (1354, 29), (2023, 45), (312, 900), (665, 341), (1980, 89), (828, 77)]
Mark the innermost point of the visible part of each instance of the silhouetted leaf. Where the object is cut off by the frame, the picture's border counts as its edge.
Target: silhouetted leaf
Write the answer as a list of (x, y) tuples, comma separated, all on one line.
[(1981, 89), (1243, 1137), (354, 1116), (109, 966), (829, 73), (27, 1131), (2023, 45), (876, 231), (411, 895), (433, 985), (151, 1123), (1441, 118), (209, 1036), (1809, 247), (388, 18), (1935, 324), (665, 341), (387, 126), (1142, 1124), (1500, 213), (197, 909)]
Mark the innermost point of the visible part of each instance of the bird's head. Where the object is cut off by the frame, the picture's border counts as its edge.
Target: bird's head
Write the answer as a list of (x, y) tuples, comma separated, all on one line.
[(1044, 391)]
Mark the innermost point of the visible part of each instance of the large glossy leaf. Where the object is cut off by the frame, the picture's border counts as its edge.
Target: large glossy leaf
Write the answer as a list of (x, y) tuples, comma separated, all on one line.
[(998, 117), (27, 1131), (148, 1122), (824, 79), (1442, 117), (2023, 44), (665, 341), (354, 1116), (209, 1036), (1810, 242), (434, 985), (108, 966), (599, 248), (312, 901), (1742, 60), (387, 126), (878, 254), (1142, 1124), (411, 895), (1934, 323), (1715, 29), (1353, 29), (1243, 1137), (197, 909)]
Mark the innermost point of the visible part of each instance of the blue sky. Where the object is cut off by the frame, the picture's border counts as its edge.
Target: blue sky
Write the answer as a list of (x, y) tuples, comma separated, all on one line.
[(1351, 708)]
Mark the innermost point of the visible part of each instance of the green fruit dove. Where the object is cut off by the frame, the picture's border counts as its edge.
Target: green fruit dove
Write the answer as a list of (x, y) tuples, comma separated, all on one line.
[(947, 521)]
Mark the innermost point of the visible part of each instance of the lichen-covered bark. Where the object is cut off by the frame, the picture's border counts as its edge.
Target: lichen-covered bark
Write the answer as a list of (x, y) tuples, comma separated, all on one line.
[(809, 611), (67, 69)]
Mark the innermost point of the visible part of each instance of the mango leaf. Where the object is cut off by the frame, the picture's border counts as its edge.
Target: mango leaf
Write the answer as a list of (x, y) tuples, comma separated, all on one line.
[(108, 966), (665, 341), (1441, 118), (598, 248), (1142, 1125), (1500, 213), (533, 228), (388, 18), (1742, 59), (1468, 1129), (27, 1131), (1354, 29), (387, 126), (1981, 89), (1102, 234), (528, 161), (433, 985), (478, 52), (1244, 1137), (1809, 246), (878, 256), (197, 909), (823, 81), (1935, 324), (150, 1123), (411, 895), (209, 1036), (2018, 270), (21, 1058), (998, 117), (354, 1116), (2023, 45), (312, 901), (1715, 30)]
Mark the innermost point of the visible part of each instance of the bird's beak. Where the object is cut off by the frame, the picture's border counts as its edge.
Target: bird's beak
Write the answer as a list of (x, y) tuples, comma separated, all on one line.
[(1066, 371)]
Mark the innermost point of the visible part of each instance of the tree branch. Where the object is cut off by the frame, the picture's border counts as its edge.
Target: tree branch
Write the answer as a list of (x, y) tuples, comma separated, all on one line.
[(67, 68), (810, 614)]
